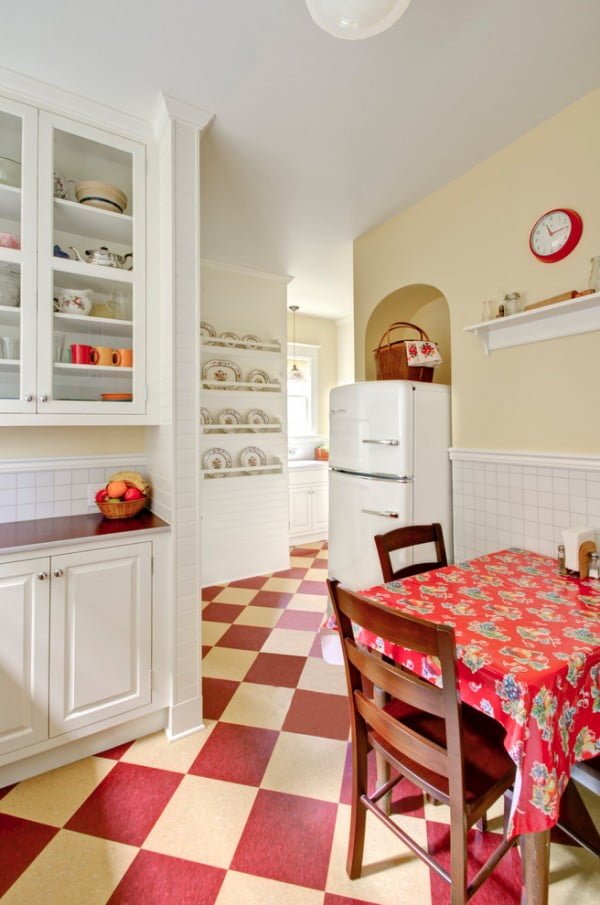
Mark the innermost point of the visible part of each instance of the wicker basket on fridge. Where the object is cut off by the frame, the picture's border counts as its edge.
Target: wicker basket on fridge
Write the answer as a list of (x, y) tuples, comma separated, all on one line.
[(390, 357)]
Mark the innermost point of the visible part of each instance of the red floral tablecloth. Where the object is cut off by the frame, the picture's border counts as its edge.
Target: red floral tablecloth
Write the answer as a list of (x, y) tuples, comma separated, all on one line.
[(528, 645)]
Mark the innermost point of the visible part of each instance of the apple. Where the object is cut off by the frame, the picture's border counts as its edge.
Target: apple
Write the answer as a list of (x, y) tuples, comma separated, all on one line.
[(116, 489), (113, 500), (101, 495), (132, 493)]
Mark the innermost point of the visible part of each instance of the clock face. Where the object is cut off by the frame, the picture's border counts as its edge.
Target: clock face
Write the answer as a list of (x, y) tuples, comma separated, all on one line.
[(555, 235)]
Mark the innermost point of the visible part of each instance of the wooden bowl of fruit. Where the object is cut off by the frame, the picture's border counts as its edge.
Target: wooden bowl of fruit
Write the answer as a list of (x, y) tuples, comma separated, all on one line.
[(125, 494)]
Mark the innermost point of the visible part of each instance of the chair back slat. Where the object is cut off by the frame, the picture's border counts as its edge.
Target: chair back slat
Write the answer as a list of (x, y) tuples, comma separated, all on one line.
[(415, 746), (397, 682), (410, 536)]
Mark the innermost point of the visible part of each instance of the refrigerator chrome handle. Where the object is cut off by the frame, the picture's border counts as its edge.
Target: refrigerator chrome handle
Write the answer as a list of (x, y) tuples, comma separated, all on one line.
[(386, 513), (384, 442)]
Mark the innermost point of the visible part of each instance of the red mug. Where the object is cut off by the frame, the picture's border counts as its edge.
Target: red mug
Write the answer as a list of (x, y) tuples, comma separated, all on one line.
[(81, 354)]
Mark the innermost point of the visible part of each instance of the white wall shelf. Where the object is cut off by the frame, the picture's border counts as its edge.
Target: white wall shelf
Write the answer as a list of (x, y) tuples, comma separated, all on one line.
[(91, 272), (241, 428), (80, 323), (216, 386), (266, 349), (250, 471), (82, 220), (9, 314), (579, 315)]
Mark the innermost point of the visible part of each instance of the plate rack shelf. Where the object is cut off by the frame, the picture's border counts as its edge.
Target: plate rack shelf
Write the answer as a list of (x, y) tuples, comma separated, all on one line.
[(245, 514)]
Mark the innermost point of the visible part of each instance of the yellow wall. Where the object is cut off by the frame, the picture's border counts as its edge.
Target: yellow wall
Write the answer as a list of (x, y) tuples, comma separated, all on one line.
[(470, 240), (322, 332), (419, 305), (42, 442)]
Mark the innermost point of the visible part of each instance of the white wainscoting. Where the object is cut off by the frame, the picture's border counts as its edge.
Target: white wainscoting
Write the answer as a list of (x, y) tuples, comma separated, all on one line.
[(521, 499)]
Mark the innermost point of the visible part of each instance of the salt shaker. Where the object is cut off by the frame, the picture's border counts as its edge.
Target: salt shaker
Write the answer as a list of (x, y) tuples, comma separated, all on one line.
[(562, 564), (512, 303), (594, 567)]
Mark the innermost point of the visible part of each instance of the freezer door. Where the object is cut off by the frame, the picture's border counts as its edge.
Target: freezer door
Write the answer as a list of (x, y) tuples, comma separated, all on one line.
[(371, 427), (360, 508)]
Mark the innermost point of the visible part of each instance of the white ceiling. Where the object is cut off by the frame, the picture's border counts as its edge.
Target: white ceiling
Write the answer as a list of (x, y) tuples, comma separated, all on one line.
[(315, 139)]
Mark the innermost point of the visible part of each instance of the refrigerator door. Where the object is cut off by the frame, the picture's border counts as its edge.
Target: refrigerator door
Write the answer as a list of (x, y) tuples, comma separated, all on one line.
[(360, 508), (371, 428)]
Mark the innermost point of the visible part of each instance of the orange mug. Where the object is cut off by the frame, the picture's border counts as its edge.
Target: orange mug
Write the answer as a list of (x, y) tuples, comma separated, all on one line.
[(123, 358), (101, 355)]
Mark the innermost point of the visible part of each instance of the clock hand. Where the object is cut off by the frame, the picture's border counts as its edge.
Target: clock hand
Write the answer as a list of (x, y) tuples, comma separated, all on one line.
[(553, 232)]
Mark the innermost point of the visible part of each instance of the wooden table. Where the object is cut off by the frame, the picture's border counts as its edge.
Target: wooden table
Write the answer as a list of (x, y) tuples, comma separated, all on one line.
[(528, 648)]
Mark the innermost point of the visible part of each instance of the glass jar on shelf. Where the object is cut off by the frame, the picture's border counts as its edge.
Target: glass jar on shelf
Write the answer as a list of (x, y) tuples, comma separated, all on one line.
[(512, 303)]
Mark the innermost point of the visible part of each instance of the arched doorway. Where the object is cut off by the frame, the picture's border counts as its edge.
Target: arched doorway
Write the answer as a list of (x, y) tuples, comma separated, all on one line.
[(419, 304)]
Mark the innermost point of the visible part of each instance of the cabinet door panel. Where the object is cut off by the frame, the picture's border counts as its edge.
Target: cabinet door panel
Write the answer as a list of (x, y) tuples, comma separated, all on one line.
[(299, 510), (100, 635), (24, 617), (320, 507)]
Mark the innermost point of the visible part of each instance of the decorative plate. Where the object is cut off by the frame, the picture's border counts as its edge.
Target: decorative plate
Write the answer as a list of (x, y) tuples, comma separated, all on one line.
[(217, 462), (258, 378), (221, 371), (229, 416), (228, 338), (250, 457), (257, 416), (205, 417), (207, 331), (251, 340)]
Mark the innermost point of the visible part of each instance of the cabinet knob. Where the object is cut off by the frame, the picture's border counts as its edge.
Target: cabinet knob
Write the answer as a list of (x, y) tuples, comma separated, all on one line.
[(29, 397), (58, 573), (43, 398), (42, 576)]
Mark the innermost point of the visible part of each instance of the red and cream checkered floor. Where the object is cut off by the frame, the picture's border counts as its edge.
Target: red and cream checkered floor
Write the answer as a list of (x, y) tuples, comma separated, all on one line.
[(253, 811)]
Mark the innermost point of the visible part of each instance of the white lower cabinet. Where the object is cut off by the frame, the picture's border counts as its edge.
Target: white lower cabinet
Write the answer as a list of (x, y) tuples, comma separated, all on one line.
[(24, 644), (75, 646), (309, 504)]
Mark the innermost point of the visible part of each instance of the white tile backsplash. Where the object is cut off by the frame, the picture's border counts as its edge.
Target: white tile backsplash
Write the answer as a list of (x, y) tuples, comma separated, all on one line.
[(48, 493), (499, 505)]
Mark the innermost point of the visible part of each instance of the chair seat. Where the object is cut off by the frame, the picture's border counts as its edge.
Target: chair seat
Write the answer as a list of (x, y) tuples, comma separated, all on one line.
[(488, 769)]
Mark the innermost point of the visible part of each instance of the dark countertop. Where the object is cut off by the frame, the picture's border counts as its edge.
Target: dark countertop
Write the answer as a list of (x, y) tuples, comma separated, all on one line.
[(47, 531)]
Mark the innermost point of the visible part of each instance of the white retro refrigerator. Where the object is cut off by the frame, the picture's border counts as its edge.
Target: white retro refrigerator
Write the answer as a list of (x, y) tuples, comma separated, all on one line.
[(389, 466)]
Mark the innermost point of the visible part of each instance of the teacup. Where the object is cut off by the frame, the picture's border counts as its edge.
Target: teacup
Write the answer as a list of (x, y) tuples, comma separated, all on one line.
[(123, 358), (101, 355), (73, 301)]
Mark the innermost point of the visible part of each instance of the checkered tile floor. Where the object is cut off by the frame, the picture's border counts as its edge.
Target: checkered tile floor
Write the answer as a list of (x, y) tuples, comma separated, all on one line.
[(253, 811)]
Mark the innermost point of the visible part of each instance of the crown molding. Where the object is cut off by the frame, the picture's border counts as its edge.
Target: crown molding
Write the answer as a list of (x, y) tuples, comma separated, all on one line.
[(21, 87), (168, 108), (526, 458), (246, 271)]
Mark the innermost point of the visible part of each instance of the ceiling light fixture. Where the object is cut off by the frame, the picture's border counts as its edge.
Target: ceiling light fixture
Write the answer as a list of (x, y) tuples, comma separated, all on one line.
[(295, 372), (355, 19)]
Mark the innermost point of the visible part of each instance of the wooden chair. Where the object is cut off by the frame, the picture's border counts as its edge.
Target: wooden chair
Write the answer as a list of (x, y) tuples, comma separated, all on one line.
[(410, 536), (574, 818), (454, 754)]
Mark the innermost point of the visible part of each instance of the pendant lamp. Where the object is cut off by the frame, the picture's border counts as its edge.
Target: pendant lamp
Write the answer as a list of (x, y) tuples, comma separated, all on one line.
[(356, 19), (295, 372)]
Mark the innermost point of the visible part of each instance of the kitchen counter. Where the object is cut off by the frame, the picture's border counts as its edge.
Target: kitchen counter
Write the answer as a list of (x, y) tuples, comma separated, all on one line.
[(22, 536)]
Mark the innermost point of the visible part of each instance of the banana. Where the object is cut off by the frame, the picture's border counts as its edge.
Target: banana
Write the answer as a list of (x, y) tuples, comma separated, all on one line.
[(133, 479)]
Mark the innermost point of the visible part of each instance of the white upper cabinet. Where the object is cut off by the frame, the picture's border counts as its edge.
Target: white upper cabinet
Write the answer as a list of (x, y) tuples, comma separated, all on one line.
[(73, 346)]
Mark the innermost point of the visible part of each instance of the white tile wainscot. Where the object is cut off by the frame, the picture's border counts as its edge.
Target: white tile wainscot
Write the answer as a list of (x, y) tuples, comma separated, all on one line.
[(521, 499)]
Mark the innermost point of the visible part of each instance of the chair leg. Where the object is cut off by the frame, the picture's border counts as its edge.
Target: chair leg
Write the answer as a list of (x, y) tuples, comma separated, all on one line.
[(358, 814), (458, 859), (383, 768)]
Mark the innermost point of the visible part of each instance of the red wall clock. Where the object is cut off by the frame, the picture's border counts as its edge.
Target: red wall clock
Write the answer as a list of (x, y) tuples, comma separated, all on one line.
[(555, 235)]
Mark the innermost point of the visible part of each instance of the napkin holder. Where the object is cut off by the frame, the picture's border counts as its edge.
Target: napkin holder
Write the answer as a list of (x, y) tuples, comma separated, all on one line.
[(579, 543)]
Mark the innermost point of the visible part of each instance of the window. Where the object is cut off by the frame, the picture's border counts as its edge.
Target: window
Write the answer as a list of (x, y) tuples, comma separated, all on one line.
[(302, 394)]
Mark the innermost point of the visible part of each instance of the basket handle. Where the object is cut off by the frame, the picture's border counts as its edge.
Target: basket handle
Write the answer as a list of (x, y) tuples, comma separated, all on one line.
[(386, 335)]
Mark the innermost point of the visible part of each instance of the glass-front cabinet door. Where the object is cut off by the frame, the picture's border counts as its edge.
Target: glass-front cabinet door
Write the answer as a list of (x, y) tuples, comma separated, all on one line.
[(18, 237), (91, 270)]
